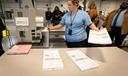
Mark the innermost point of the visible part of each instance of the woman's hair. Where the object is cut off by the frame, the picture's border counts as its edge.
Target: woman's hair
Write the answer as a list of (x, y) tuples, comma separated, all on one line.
[(74, 2), (92, 5)]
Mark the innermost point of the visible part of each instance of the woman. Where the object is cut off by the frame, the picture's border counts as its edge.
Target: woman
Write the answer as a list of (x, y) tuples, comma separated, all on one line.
[(75, 23), (2, 27), (93, 13)]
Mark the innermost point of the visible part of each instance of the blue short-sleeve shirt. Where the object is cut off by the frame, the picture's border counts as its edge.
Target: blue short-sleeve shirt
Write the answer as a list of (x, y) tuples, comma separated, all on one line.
[(120, 19), (79, 23)]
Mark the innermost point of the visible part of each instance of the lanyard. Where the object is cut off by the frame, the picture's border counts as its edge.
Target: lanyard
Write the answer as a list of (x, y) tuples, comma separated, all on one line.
[(72, 19)]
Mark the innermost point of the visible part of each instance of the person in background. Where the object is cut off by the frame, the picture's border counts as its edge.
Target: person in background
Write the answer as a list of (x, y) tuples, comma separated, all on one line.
[(48, 15), (80, 7), (117, 24), (101, 16), (2, 27), (75, 23), (93, 12), (64, 12), (101, 19), (94, 18), (56, 16)]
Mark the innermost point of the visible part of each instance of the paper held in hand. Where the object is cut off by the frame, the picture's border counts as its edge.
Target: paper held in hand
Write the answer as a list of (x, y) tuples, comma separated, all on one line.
[(99, 37)]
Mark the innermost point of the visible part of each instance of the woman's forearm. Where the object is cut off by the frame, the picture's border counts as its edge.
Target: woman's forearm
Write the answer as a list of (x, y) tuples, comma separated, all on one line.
[(51, 27), (93, 26)]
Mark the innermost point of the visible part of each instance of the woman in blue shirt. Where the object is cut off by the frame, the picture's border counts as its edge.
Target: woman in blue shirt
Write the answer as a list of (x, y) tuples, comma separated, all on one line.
[(75, 23)]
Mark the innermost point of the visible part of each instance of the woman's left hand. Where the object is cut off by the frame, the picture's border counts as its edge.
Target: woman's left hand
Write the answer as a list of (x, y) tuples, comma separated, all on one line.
[(96, 29)]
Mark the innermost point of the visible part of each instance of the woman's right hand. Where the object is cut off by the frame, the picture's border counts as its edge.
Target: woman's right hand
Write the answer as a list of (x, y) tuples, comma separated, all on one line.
[(50, 27)]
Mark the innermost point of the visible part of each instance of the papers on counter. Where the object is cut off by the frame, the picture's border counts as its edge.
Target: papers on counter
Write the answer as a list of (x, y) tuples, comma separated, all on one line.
[(19, 50), (52, 60), (81, 60)]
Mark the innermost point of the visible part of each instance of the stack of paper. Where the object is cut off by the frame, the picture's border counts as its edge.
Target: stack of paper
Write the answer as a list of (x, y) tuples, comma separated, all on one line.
[(99, 37), (52, 60), (81, 60), (19, 49)]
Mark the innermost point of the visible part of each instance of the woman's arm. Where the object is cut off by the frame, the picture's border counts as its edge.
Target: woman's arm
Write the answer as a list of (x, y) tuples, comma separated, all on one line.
[(51, 27), (93, 26)]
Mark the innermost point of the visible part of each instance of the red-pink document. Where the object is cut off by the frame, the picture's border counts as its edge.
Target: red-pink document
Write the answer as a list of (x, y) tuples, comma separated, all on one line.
[(19, 49)]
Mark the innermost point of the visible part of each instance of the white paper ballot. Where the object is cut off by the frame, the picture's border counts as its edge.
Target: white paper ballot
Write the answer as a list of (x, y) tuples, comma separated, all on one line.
[(99, 37), (52, 60), (81, 60)]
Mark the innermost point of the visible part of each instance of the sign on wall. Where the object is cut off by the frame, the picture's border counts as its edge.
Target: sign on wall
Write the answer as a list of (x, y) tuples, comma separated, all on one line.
[(22, 21), (39, 19)]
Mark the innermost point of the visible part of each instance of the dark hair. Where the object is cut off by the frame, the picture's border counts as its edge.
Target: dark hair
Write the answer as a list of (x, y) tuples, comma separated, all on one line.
[(80, 8), (56, 8), (74, 2), (124, 5)]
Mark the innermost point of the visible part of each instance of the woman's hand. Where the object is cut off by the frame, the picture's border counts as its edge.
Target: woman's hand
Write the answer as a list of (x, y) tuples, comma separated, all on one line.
[(96, 29), (50, 27), (93, 27)]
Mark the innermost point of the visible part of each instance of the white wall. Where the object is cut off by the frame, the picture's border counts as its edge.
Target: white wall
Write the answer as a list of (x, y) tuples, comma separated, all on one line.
[(108, 6)]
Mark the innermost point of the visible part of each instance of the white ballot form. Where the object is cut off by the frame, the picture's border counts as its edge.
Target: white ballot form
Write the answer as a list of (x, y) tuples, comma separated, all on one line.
[(52, 60), (81, 60), (99, 37)]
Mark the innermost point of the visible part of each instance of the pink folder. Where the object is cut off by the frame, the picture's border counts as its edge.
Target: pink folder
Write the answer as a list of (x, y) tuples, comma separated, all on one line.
[(19, 49)]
